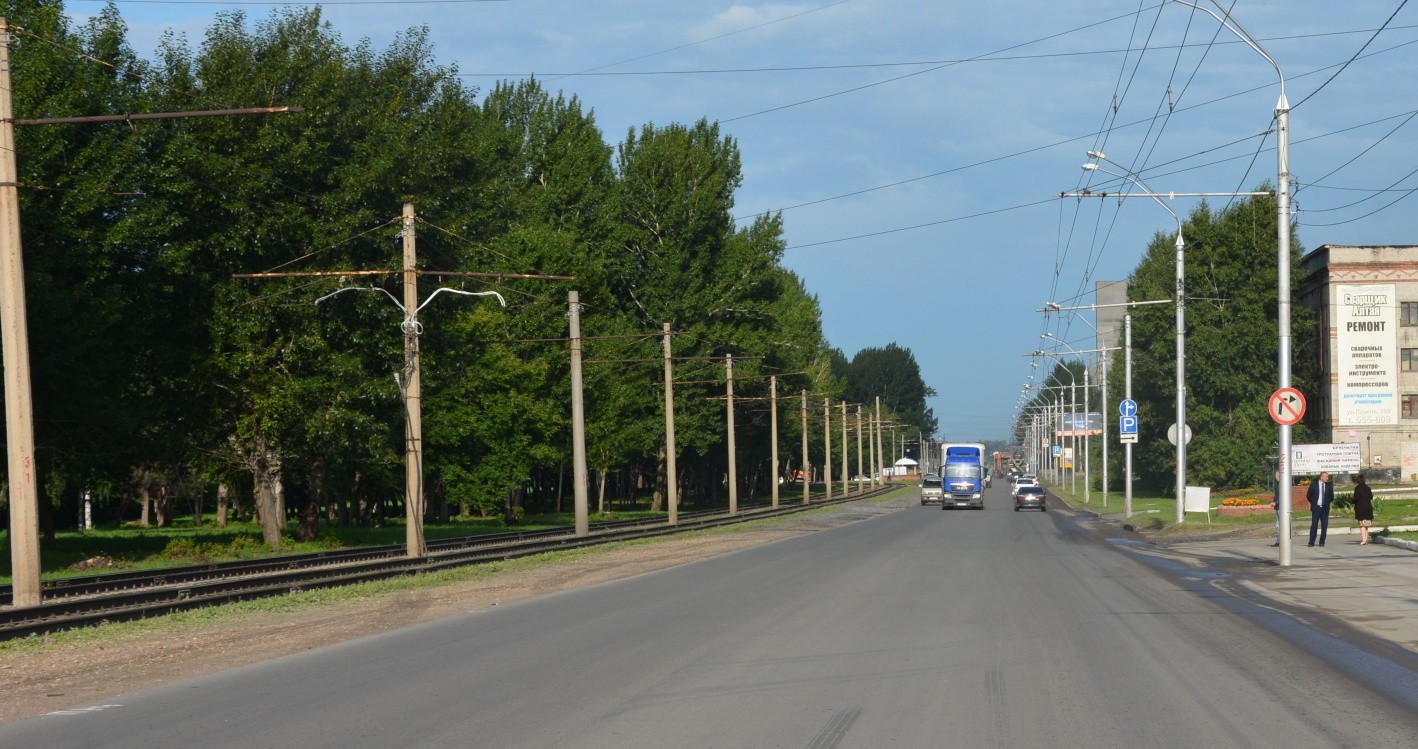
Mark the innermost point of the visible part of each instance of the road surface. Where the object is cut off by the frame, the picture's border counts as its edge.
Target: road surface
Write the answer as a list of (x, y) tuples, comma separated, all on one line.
[(913, 628)]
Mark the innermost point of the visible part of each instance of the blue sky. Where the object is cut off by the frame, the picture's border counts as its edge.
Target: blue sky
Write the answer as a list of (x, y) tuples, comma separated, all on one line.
[(960, 293)]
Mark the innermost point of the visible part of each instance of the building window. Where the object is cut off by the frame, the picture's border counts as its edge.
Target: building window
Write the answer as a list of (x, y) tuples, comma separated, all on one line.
[(1410, 360), (1408, 313), (1410, 406)]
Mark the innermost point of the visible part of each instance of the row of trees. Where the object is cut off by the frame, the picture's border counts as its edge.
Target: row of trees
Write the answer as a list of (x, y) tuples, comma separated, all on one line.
[(1232, 311), (158, 374)]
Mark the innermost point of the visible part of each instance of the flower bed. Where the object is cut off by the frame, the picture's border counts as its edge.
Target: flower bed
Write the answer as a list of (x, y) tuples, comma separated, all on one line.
[(1244, 506), (1244, 510)]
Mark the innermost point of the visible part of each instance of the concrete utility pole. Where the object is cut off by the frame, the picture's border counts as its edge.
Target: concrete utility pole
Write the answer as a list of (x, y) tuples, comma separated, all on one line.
[(807, 469), (413, 397), (14, 329), (827, 444), (733, 455), (846, 482), (672, 477), (14, 335), (578, 420), (881, 463), (1127, 388), (773, 427), (871, 451), (860, 478)]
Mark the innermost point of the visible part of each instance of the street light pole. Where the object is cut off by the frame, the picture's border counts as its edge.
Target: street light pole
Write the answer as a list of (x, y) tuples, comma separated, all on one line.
[(1282, 154), (1127, 388)]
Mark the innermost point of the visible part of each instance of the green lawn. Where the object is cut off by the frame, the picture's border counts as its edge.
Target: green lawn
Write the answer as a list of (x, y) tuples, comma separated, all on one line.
[(1386, 512), (133, 547)]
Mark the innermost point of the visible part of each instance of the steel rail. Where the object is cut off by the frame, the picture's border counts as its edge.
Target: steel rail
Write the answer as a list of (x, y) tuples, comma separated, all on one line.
[(114, 582), (170, 597)]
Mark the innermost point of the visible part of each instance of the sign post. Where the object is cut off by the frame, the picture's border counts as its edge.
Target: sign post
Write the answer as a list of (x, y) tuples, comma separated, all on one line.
[(1287, 407)]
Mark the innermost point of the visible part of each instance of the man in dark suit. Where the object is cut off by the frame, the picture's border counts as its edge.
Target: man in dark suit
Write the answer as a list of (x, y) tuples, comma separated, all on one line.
[(1321, 496)]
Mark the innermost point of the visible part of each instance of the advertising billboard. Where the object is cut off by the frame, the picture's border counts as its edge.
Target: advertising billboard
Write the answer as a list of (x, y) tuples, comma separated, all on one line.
[(1366, 355), (1312, 460), (1073, 425)]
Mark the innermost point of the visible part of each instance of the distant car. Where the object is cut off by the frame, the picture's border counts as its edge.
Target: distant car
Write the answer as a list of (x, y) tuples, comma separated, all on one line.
[(932, 489), (1030, 496)]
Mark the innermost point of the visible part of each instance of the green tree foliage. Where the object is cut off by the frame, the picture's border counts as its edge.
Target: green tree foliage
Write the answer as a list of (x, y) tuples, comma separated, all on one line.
[(1231, 346), (158, 373), (891, 372)]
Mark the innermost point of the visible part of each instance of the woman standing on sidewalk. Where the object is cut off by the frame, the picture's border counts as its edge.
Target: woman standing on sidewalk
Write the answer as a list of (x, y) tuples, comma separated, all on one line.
[(1363, 508)]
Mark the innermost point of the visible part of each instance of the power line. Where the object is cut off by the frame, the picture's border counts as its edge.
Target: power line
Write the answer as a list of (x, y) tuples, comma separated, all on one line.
[(1361, 153), (278, 2), (1048, 146), (596, 72), (921, 226), (1355, 57), (928, 70), (1370, 213)]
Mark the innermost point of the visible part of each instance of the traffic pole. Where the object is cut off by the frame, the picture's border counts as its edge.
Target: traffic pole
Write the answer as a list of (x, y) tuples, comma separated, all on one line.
[(1087, 453), (1127, 388), (1282, 130), (1104, 361), (671, 476)]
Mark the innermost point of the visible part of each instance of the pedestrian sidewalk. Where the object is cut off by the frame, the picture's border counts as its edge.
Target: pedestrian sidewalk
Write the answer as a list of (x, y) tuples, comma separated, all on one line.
[(1374, 588)]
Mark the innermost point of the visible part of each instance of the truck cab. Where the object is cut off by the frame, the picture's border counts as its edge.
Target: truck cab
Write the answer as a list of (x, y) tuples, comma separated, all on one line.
[(964, 476)]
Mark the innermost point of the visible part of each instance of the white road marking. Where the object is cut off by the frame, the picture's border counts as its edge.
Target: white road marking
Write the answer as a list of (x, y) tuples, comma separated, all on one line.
[(82, 710)]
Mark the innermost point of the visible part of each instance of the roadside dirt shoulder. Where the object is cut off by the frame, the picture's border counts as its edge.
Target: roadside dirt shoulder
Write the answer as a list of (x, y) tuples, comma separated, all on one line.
[(35, 683)]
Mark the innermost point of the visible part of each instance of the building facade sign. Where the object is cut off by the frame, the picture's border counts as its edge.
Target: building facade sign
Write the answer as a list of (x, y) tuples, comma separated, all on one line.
[(1312, 460), (1366, 349)]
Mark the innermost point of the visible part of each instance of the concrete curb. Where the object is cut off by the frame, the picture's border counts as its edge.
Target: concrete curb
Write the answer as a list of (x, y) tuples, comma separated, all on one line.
[(1400, 543)]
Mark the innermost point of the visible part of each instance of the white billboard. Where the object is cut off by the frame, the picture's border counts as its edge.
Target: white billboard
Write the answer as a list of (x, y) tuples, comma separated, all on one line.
[(1311, 460), (1366, 354)]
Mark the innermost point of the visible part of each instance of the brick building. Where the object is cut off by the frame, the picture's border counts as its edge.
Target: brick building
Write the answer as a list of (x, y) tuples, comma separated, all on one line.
[(1366, 305)]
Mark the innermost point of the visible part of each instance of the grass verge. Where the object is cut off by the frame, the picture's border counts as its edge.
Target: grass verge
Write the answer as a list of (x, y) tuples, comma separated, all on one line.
[(295, 603)]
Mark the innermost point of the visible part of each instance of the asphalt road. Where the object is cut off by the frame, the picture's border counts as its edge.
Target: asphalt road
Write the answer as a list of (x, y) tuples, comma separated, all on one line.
[(916, 628)]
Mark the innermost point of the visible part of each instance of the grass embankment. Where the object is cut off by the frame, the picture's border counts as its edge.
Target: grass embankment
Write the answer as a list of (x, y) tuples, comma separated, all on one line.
[(298, 602), (113, 548), (1156, 512)]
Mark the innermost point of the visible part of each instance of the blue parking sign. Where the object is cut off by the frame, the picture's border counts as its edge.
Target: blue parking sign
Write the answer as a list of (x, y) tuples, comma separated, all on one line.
[(1127, 425)]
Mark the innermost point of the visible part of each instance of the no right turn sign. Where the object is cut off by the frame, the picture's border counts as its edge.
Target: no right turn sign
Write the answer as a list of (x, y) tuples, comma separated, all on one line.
[(1287, 406)]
